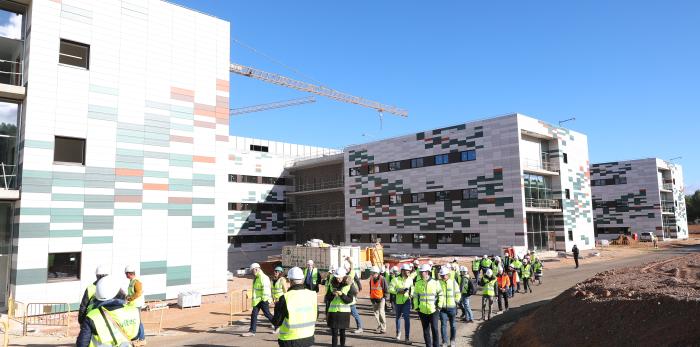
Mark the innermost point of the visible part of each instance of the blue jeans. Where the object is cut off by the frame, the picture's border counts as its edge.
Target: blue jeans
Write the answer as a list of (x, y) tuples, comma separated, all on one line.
[(403, 310), (356, 315), (445, 315), (265, 307), (466, 306), (142, 332)]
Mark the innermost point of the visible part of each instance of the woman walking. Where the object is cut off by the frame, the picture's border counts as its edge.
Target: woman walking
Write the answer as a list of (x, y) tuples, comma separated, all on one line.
[(341, 295)]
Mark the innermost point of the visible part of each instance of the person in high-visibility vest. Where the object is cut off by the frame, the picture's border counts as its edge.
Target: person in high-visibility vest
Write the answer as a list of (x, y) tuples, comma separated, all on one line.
[(537, 268), (342, 295), (327, 283), (488, 292), (378, 291), (426, 294), (261, 298), (518, 266), (502, 285), (135, 298), (392, 296), (279, 284), (514, 280), (296, 313), (402, 288), (111, 321), (476, 266), (447, 302), (527, 275), (86, 303), (466, 289), (312, 278), (486, 263)]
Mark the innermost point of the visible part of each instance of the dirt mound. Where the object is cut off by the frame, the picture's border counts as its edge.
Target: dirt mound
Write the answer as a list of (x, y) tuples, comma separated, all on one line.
[(653, 305)]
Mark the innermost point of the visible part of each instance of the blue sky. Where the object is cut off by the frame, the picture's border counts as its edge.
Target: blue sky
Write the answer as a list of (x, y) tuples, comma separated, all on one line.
[(628, 71)]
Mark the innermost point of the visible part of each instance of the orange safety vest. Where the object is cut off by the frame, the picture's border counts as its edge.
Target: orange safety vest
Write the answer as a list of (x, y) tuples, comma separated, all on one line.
[(375, 288), (503, 281)]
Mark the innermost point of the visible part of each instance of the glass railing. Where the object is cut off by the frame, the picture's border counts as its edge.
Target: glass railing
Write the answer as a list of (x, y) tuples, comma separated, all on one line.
[(539, 164), (667, 186), (321, 213), (543, 203), (331, 184), (667, 207)]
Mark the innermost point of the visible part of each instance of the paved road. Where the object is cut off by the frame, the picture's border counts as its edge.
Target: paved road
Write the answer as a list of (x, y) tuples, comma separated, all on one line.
[(555, 281)]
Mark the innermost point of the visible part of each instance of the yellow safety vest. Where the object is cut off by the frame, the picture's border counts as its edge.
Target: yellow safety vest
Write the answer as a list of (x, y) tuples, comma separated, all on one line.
[(90, 290), (261, 289), (476, 265), (425, 295), (329, 280), (399, 283), (302, 309), (450, 294), (314, 275), (140, 301), (278, 289), (338, 305), (126, 317), (526, 271), (488, 288)]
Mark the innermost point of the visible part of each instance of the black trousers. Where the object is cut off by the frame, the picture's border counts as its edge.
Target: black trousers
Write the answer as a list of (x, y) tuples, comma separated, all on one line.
[(502, 295), (335, 333), (430, 326), (576, 261), (526, 285)]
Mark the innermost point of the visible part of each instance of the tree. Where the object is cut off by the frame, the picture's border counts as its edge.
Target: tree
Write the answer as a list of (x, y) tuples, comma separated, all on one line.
[(692, 206)]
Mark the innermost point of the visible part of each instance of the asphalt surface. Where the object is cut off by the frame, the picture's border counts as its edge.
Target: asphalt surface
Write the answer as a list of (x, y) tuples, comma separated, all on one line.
[(555, 281)]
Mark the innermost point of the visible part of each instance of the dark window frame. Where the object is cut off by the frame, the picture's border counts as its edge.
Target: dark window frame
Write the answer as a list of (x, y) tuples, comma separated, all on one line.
[(417, 198), (56, 147), (80, 45), (469, 240), (56, 268), (417, 163), (470, 194), (468, 155), (441, 159), (394, 165), (354, 202)]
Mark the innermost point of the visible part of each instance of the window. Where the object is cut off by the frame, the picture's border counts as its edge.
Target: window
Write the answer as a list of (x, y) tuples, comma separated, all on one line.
[(567, 193), (441, 159), (249, 179), (468, 155), (472, 240), (441, 196), (571, 235), (74, 53), (374, 169), (395, 199), (232, 178), (373, 200), (64, 267), (354, 202), (444, 238), (566, 158), (258, 148), (231, 206), (417, 162), (269, 180), (354, 171), (360, 238), (395, 165), (400, 238), (69, 150), (470, 194), (418, 238), (240, 239), (620, 180), (418, 197)]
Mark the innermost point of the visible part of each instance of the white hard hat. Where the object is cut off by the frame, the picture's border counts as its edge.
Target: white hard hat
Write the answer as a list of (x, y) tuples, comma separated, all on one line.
[(444, 271), (374, 270), (448, 266), (341, 272), (477, 258), (416, 262), (489, 272), (254, 266), (395, 269), (497, 258), (130, 268), (332, 268), (406, 267), (295, 273), (463, 269), (425, 267), (101, 270), (485, 256), (430, 262), (500, 270), (107, 288)]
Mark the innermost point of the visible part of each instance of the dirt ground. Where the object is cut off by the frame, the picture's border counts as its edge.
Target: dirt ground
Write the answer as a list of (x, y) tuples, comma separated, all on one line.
[(656, 304)]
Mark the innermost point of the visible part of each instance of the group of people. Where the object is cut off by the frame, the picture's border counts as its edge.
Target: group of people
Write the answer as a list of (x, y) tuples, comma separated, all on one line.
[(109, 316), (436, 293)]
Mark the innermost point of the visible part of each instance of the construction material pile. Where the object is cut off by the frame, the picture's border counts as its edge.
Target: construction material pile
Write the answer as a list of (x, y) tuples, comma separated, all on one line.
[(653, 305)]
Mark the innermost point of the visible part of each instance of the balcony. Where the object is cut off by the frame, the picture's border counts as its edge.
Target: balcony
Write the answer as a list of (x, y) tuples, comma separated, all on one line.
[(667, 207), (8, 182), (540, 166), (553, 205), (318, 214), (318, 187), (667, 187), (11, 51)]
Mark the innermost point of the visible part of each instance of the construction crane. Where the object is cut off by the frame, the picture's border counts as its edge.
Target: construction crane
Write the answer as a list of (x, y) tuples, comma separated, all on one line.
[(271, 106), (311, 88)]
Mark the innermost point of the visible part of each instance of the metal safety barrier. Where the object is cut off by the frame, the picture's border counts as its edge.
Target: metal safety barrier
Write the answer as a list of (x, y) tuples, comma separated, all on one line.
[(155, 306), (47, 314), (237, 306)]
